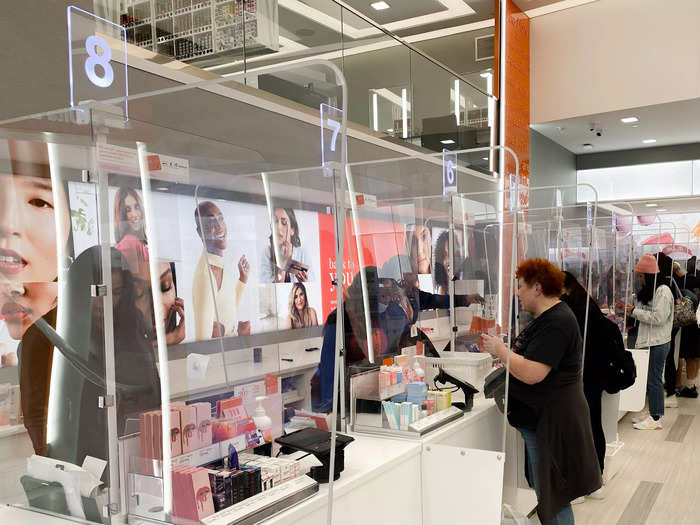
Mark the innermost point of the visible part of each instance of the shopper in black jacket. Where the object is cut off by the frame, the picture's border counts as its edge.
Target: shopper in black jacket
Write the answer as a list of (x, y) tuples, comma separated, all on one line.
[(599, 342), (690, 335)]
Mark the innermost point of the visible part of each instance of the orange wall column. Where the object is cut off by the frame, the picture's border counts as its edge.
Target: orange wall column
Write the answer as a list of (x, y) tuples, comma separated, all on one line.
[(514, 127)]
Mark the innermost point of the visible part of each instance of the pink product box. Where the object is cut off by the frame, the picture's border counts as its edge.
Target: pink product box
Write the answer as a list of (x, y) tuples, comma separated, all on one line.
[(188, 429), (175, 433), (192, 499), (204, 429), (384, 379)]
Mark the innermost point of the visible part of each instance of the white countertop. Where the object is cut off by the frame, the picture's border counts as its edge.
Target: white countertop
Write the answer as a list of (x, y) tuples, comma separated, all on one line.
[(365, 458)]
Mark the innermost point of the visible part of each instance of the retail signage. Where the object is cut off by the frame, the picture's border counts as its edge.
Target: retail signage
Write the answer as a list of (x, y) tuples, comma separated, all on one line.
[(449, 172), (97, 59), (331, 137), (124, 161)]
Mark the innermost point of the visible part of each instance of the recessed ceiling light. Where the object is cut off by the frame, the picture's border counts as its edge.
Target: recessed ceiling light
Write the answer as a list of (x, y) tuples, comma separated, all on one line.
[(651, 205), (379, 6), (163, 188), (588, 146), (629, 120), (661, 209), (484, 158), (649, 141), (447, 141)]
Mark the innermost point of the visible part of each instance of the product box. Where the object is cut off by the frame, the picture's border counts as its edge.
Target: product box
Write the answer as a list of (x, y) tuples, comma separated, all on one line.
[(204, 431), (188, 423), (231, 408), (157, 433), (194, 493), (175, 433), (223, 430)]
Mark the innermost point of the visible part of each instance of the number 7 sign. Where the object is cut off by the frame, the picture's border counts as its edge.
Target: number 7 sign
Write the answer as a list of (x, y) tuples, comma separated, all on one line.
[(331, 134)]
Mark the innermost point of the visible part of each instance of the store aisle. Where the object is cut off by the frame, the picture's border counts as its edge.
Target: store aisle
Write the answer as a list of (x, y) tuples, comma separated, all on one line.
[(658, 477)]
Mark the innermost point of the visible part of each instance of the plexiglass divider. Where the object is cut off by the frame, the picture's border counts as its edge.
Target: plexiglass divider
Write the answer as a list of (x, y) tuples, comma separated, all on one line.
[(174, 311), (432, 284)]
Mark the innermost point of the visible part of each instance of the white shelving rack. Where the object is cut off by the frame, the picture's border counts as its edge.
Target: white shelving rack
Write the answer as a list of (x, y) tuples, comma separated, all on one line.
[(195, 30)]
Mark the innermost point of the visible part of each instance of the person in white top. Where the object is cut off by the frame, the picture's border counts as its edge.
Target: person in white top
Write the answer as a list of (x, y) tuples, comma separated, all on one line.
[(654, 312), (213, 272)]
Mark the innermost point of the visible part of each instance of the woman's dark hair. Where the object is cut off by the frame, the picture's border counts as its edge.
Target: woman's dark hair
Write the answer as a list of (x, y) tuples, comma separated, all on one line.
[(296, 239), (172, 271), (441, 276), (652, 281), (354, 302), (576, 300)]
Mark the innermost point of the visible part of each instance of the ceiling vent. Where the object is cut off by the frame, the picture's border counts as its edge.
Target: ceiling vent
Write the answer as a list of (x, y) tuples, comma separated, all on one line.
[(484, 47)]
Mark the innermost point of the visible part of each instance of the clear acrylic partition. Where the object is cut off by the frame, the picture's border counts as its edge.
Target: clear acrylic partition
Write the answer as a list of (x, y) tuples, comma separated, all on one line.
[(178, 320), (561, 226), (651, 235), (55, 357), (424, 282)]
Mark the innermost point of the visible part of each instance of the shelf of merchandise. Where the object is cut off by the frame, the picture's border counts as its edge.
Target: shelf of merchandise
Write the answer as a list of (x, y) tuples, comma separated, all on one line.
[(254, 35)]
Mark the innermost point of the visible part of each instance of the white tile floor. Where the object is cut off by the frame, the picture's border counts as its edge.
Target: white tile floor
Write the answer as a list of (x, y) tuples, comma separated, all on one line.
[(647, 456)]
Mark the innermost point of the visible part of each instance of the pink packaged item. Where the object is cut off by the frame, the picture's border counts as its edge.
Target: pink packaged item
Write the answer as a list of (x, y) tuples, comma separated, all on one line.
[(223, 430), (188, 429), (175, 433), (204, 434), (192, 497)]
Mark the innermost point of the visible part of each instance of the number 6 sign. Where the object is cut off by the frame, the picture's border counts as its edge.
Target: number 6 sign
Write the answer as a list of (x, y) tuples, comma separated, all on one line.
[(94, 72), (449, 172)]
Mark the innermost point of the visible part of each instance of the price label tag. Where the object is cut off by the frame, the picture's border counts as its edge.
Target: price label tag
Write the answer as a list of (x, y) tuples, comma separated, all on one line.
[(449, 173), (97, 59), (331, 135)]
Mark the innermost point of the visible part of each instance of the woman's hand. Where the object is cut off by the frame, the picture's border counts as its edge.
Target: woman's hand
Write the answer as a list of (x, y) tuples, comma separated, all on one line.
[(243, 269), (619, 305), (493, 345), (178, 334), (301, 275)]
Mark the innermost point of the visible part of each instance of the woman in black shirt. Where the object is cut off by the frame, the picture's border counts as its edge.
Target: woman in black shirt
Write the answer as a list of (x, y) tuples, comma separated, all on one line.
[(546, 401)]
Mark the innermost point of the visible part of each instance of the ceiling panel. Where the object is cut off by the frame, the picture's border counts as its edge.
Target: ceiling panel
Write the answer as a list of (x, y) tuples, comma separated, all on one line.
[(668, 124), (399, 10), (305, 30)]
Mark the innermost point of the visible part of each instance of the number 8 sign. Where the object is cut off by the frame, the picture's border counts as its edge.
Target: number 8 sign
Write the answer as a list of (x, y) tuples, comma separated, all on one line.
[(94, 72)]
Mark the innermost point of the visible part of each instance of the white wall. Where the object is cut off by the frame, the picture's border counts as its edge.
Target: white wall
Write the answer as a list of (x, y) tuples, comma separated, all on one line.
[(613, 54)]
